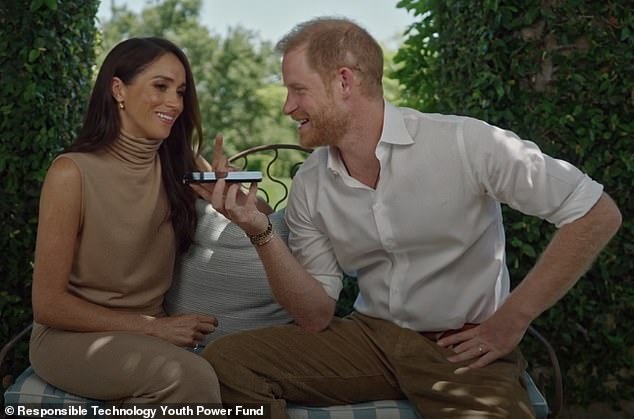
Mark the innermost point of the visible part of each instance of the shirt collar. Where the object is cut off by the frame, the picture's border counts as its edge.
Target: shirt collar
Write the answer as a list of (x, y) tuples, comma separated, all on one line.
[(334, 163), (394, 132), (394, 129)]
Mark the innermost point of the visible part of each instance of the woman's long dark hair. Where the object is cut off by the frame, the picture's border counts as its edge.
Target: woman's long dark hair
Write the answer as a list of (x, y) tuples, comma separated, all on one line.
[(102, 125)]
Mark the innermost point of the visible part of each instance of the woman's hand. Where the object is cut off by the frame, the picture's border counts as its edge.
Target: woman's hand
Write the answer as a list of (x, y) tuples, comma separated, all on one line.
[(219, 161), (182, 330)]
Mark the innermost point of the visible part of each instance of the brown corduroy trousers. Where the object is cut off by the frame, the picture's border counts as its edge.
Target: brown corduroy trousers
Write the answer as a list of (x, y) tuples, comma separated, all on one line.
[(360, 358)]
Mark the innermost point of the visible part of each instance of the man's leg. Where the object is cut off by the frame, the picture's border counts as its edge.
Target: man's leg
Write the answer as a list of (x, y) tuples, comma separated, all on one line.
[(441, 389), (270, 366)]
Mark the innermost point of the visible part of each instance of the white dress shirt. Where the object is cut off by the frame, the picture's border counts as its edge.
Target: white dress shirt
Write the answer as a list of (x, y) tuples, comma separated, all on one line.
[(428, 244)]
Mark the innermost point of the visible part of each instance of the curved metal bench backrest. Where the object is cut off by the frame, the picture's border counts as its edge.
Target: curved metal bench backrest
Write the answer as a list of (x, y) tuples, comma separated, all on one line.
[(273, 170)]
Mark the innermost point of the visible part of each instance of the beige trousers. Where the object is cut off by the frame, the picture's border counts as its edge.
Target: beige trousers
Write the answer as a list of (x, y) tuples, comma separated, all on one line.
[(122, 367), (358, 359)]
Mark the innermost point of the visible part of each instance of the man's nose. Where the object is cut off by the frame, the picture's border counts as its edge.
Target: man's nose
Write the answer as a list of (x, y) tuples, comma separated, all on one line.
[(289, 105)]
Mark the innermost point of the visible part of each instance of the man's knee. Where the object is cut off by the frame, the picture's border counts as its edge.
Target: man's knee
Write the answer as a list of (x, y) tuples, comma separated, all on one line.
[(224, 355)]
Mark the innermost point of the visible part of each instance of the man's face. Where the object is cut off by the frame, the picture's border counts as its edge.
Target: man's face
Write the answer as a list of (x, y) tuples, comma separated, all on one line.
[(312, 103)]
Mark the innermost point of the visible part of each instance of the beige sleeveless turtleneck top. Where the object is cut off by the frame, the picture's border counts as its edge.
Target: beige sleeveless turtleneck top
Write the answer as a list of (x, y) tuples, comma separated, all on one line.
[(125, 250)]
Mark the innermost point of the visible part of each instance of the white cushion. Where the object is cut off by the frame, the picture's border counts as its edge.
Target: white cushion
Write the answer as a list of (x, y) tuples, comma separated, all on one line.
[(222, 275)]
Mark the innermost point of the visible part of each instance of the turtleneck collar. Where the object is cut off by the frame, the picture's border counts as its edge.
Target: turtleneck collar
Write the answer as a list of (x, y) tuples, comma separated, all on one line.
[(136, 151)]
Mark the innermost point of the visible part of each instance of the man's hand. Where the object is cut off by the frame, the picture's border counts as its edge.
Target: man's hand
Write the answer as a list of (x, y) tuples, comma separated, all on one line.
[(483, 344), (233, 203), (245, 207)]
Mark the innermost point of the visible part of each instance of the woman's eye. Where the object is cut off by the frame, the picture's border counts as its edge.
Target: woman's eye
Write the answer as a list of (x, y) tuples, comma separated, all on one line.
[(181, 93), (161, 87)]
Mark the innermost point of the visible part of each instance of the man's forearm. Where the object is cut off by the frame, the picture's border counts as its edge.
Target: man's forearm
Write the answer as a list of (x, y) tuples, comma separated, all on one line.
[(294, 288), (569, 255)]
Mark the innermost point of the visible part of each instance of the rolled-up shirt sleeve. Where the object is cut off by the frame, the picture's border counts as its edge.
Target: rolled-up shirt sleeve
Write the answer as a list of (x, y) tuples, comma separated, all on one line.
[(517, 173), (310, 246)]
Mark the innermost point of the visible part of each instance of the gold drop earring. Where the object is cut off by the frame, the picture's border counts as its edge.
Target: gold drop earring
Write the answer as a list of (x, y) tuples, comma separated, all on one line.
[(121, 105)]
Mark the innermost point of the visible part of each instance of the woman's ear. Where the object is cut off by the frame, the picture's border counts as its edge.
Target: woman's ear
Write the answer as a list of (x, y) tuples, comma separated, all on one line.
[(118, 89)]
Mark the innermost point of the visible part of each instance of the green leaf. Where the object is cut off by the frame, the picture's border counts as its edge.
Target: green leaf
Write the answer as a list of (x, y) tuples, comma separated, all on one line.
[(33, 54), (36, 4), (51, 4)]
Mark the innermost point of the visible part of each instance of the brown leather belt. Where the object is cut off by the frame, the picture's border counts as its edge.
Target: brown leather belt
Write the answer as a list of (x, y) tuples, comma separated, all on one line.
[(436, 336)]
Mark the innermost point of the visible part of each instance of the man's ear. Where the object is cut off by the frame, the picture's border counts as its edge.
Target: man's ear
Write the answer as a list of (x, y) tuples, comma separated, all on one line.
[(118, 89), (347, 81)]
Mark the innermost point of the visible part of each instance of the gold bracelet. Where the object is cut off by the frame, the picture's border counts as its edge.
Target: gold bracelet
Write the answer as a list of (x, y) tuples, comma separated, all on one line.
[(264, 237)]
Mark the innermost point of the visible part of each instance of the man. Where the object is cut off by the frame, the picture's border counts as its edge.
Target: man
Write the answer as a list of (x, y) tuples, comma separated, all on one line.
[(411, 203)]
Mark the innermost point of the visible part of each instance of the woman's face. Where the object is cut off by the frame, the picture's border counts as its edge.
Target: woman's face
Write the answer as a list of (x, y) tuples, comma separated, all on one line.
[(153, 99)]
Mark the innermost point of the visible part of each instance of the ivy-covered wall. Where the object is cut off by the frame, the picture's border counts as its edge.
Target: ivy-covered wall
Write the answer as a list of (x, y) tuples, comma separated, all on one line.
[(46, 59), (560, 73)]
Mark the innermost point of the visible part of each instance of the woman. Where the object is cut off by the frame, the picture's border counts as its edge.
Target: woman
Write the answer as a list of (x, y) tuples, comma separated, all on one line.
[(113, 216)]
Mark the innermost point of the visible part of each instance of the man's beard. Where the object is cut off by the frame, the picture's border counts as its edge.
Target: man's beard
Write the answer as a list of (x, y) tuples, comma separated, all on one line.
[(326, 129)]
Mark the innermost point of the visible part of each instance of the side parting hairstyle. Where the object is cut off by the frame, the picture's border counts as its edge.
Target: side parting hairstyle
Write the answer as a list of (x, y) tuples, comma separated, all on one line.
[(102, 125)]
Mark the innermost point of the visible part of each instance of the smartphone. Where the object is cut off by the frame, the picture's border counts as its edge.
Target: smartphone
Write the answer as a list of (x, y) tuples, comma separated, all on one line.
[(207, 177)]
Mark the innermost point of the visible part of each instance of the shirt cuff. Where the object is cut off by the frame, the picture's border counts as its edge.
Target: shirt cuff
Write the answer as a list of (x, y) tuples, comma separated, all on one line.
[(332, 285), (580, 201)]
